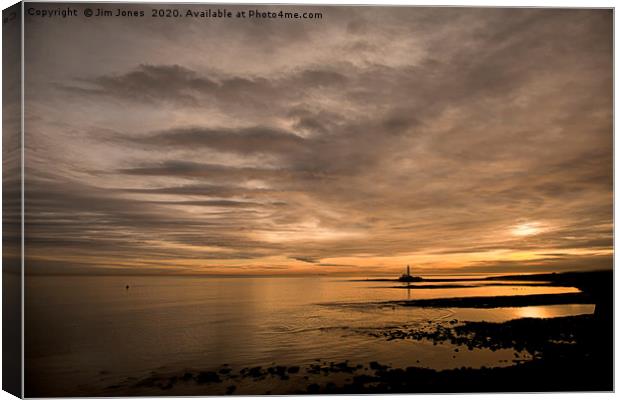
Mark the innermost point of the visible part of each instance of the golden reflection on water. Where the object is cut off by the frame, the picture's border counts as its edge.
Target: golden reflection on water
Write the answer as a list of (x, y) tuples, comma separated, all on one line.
[(503, 314), (553, 310)]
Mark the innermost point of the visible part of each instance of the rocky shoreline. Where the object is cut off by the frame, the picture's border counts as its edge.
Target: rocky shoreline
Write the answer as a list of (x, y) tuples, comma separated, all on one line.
[(567, 353)]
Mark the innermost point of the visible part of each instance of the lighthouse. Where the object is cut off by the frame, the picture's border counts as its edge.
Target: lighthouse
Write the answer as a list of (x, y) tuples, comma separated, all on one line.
[(406, 277)]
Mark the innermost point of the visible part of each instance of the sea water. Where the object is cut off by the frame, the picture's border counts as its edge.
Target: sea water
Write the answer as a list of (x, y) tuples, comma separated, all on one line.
[(84, 333)]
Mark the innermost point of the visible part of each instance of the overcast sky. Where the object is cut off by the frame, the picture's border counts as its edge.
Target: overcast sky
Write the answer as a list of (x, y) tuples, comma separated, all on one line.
[(451, 139)]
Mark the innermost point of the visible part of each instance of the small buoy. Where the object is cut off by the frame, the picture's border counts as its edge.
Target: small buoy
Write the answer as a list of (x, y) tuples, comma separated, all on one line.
[(127, 287)]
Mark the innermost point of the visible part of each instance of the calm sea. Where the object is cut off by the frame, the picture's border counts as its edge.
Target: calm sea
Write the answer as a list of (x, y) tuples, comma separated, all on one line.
[(86, 333)]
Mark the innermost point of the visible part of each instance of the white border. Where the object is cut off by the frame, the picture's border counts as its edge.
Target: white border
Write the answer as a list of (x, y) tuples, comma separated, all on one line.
[(466, 3)]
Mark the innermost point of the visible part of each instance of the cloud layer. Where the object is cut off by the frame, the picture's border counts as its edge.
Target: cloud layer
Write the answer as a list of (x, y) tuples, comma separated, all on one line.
[(470, 140)]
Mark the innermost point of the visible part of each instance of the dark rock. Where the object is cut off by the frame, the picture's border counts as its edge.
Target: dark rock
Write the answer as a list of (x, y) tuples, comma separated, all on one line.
[(208, 377)]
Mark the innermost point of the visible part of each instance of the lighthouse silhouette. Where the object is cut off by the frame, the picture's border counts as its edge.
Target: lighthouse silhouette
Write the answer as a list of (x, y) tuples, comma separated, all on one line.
[(407, 276)]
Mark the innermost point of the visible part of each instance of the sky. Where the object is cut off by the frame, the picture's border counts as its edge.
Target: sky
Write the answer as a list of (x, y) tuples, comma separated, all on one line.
[(456, 140)]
